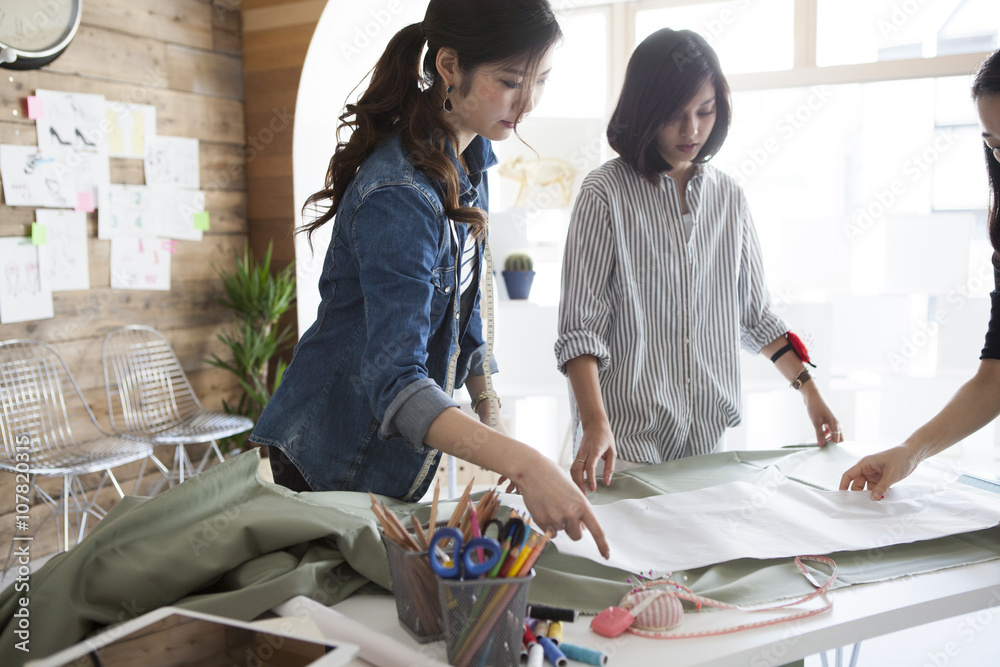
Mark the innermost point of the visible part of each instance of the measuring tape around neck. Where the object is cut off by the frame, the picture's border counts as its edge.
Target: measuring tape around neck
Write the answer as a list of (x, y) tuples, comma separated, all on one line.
[(487, 290)]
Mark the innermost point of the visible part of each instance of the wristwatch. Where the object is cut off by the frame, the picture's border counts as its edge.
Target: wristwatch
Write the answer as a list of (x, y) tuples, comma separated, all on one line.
[(801, 379)]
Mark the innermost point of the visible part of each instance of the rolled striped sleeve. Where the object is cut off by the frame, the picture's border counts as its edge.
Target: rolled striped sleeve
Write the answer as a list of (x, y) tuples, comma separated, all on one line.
[(759, 325), (585, 306)]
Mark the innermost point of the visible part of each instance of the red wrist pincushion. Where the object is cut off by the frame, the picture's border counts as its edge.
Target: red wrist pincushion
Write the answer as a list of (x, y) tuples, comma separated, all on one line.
[(799, 347)]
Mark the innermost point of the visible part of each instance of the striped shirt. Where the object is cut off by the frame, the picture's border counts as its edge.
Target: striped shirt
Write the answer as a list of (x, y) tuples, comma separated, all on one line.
[(665, 314)]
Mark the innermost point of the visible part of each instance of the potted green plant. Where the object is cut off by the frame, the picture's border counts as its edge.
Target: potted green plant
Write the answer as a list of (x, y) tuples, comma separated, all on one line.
[(518, 275), (257, 299)]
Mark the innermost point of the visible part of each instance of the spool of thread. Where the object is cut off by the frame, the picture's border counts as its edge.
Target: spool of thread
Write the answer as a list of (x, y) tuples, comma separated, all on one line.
[(555, 632), (583, 654), (541, 629), (553, 613), (552, 652), (536, 655)]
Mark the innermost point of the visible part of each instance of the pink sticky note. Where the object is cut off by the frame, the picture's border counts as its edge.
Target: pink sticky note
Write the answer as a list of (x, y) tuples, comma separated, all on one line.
[(35, 107), (85, 201)]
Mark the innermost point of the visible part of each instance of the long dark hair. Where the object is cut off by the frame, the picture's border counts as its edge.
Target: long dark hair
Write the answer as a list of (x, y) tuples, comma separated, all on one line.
[(987, 84), (664, 73), (404, 98)]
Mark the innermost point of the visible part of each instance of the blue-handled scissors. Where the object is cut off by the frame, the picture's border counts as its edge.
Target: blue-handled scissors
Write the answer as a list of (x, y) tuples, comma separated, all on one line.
[(462, 563)]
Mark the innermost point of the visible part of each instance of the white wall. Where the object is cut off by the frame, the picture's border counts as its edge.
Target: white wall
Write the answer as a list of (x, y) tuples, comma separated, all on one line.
[(348, 41)]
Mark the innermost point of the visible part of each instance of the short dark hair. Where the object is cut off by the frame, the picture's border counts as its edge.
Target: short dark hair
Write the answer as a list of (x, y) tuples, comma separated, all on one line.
[(665, 72)]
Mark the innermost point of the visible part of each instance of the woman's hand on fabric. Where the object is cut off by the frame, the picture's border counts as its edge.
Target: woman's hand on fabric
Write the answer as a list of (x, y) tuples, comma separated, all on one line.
[(598, 443), (827, 426), (879, 471)]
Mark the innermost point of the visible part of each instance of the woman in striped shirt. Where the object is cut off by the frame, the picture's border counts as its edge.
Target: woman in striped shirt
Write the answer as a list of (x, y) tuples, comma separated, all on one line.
[(663, 280)]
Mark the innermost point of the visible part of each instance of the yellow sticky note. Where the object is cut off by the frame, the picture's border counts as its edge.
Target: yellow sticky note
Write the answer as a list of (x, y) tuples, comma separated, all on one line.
[(38, 234), (201, 221)]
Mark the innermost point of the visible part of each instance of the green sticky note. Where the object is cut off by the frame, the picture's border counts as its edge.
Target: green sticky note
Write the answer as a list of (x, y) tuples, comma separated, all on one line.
[(201, 221), (38, 234)]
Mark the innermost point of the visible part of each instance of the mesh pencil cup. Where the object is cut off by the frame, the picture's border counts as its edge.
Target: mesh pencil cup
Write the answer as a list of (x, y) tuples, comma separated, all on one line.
[(415, 588), (484, 619)]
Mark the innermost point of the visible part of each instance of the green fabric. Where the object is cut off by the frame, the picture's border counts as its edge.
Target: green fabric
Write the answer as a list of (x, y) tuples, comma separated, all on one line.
[(223, 542), (226, 542)]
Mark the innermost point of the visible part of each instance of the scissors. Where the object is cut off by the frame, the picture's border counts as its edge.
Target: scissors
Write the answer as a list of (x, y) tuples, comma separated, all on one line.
[(510, 534), (512, 529), (462, 565)]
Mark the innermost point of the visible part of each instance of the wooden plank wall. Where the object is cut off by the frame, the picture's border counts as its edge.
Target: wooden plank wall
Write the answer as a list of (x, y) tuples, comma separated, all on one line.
[(276, 37), (184, 57)]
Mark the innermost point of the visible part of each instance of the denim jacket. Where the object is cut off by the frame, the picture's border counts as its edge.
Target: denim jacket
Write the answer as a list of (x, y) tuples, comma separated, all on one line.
[(368, 377)]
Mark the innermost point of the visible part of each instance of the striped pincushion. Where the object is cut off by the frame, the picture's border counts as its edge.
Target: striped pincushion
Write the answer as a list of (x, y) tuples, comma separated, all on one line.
[(665, 612)]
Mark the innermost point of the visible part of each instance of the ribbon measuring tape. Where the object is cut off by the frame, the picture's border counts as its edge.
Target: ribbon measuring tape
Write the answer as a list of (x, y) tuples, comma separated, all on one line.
[(487, 288), (655, 608)]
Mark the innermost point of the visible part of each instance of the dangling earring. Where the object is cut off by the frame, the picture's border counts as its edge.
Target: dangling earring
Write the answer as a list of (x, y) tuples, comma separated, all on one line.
[(447, 99)]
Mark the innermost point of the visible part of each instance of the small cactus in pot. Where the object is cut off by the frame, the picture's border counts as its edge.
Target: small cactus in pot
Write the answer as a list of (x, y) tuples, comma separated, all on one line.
[(518, 275)]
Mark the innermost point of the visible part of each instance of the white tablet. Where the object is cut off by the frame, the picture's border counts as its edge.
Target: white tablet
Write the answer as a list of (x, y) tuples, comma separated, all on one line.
[(173, 637)]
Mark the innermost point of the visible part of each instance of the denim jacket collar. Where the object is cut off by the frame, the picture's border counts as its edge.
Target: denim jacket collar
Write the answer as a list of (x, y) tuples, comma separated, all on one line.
[(479, 157)]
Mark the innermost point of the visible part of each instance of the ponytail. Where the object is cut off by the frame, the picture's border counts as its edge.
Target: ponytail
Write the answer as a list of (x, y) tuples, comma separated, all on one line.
[(394, 103)]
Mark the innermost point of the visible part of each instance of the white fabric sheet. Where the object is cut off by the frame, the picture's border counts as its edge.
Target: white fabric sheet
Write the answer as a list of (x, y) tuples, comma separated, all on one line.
[(774, 518)]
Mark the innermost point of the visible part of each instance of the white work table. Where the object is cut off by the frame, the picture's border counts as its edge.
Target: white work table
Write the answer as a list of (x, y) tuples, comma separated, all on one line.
[(859, 612)]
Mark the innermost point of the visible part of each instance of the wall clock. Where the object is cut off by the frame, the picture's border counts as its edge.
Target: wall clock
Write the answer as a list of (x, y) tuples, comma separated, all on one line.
[(33, 33)]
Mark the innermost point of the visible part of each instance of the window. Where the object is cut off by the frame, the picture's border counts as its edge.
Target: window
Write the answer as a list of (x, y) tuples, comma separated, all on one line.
[(578, 87), (881, 30), (748, 36)]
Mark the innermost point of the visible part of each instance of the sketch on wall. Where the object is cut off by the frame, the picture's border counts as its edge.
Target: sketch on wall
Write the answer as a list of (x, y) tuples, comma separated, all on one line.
[(24, 293), (140, 264), (64, 255), (70, 131), (70, 169), (131, 127), (126, 211), (31, 178), (177, 209), (173, 161)]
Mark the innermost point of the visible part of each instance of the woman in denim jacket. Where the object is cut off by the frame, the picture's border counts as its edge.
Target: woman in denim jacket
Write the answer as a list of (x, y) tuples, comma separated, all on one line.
[(366, 403)]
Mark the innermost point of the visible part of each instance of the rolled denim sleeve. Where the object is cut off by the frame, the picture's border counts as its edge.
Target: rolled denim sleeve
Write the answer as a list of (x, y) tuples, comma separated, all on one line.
[(759, 324), (397, 235)]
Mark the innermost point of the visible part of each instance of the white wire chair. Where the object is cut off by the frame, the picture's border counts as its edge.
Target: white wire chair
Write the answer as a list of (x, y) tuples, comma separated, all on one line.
[(49, 430), (150, 397)]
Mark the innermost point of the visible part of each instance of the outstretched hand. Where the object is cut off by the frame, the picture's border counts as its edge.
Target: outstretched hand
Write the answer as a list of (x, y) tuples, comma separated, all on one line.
[(878, 472), (556, 504)]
